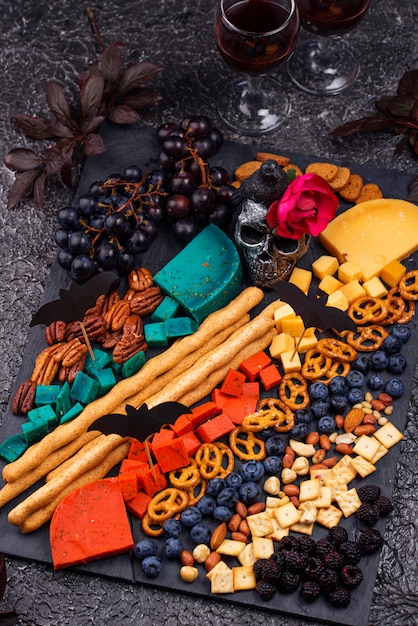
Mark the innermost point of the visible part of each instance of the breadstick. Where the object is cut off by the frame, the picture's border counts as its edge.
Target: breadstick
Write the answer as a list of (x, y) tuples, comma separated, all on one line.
[(156, 366), (65, 466), (50, 490), (218, 376), (13, 489), (219, 356), (39, 517)]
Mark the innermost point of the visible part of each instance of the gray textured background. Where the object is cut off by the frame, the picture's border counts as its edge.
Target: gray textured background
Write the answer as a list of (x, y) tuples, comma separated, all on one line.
[(45, 40)]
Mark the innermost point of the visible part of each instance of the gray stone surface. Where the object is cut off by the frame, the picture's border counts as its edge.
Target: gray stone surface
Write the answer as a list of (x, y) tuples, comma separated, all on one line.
[(46, 40)]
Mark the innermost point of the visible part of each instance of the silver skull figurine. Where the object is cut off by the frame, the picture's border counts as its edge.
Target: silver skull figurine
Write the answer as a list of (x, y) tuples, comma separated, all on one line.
[(269, 257)]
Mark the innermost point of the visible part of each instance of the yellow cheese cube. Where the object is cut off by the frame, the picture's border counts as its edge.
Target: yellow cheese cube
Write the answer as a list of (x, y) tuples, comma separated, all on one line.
[(325, 265), (290, 361), (348, 271), (307, 342), (281, 343), (375, 288), (293, 326), (283, 311), (329, 284), (301, 278), (392, 273), (338, 300), (352, 291)]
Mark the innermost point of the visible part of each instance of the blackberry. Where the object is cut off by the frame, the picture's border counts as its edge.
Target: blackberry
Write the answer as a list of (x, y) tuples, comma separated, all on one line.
[(368, 513), (328, 580), (370, 540), (306, 544), (258, 568), (289, 581), (351, 576), (334, 560), (271, 571), (293, 562), (265, 589), (289, 542), (279, 558), (384, 505), (350, 551), (314, 568), (337, 535), (368, 493), (323, 547), (310, 591), (340, 597)]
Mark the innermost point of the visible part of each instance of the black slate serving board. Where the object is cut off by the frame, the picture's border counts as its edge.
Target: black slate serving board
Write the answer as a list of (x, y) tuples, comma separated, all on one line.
[(125, 146)]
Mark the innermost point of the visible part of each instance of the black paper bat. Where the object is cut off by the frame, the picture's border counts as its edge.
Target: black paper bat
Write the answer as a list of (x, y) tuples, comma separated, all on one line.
[(313, 310), (142, 422), (74, 302)]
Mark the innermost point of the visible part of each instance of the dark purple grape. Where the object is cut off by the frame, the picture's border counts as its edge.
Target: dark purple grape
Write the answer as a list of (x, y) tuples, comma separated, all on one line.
[(116, 224), (185, 229), (198, 125), (106, 255), (219, 176), (205, 147), (217, 138), (96, 189), (79, 243), (202, 200), (194, 168), (183, 183), (178, 206), (138, 242), (83, 268), (156, 178), (165, 129), (132, 173), (68, 218), (61, 238), (149, 227), (126, 261), (156, 213), (166, 163), (113, 179), (220, 216), (64, 258), (119, 201), (225, 194), (175, 147), (97, 222), (86, 205)]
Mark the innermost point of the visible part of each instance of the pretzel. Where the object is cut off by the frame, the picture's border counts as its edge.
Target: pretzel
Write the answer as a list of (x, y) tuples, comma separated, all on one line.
[(151, 528), (315, 364), (396, 307), (277, 415), (336, 349), (167, 503), (226, 456), (210, 458), (408, 285), (195, 493), (186, 477), (367, 309), (337, 368), (245, 445), (409, 310), (367, 339), (293, 391)]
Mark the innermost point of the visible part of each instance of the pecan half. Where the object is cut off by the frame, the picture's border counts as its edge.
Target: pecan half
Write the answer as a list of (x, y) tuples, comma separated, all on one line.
[(111, 338), (144, 302), (94, 325), (45, 365), (126, 348), (55, 332), (105, 302), (71, 352), (24, 398), (140, 279), (117, 315), (69, 373)]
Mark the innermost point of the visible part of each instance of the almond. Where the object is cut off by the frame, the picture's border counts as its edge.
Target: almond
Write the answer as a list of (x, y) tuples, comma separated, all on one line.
[(212, 560), (257, 507), (218, 536), (365, 429), (353, 419)]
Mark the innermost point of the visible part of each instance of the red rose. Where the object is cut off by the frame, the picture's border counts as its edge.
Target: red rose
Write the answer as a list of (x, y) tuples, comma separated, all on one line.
[(306, 207)]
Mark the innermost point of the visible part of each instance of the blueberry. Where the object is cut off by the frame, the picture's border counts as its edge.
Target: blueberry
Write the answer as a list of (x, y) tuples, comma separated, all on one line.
[(151, 566), (249, 492), (299, 432), (272, 464), (144, 548), (401, 331), (375, 382), (379, 360), (252, 470), (339, 403), (275, 445), (338, 386), (355, 378), (319, 408), (355, 395), (190, 516), (318, 391), (391, 344), (361, 364), (172, 527), (227, 497), (266, 433), (395, 387), (397, 363), (222, 514), (172, 548), (303, 416), (206, 505), (234, 480), (214, 486), (201, 533), (326, 425)]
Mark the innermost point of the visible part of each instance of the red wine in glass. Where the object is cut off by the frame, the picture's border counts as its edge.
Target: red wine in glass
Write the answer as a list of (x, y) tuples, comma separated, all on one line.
[(331, 17)]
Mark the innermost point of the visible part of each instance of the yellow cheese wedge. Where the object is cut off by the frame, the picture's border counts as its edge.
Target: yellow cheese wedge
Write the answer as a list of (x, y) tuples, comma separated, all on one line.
[(373, 233)]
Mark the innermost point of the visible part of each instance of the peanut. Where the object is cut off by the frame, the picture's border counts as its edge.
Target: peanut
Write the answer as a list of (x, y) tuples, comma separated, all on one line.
[(319, 456), (244, 528), (330, 461), (186, 557), (234, 522), (257, 507), (237, 536), (241, 509), (212, 560), (365, 429), (344, 448), (312, 437), (339, 421), (291, 490), (324, 442)]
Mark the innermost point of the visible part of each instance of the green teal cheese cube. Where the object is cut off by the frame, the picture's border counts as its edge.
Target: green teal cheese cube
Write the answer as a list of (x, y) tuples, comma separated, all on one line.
[(155, 335), (134, 364), (84, 388), (33, 431), (63, 402), (12, 448), (166, 309), (45, 413), (101, 360), (46, 394), (106, 379), (180, 327), (73, 412), (205, 276), (116, 367)]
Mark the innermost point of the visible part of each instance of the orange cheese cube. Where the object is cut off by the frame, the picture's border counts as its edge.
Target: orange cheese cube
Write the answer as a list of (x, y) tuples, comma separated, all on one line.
[(202, 412), (128, 482), (281, 343), (215, 428), (329, 284), (301, 278), (291, 361), (392, 273), (282, 312), (191, 443), (348, 271), (375, 288), (338, 300), (138, 505), (352, 291), (237, 408), (325, 265), (171, 455), (252, 366), (270, 376), (233, 382), (251, 390), (163, 435), (293, 326), (219, 398), (182, 425), (150, 484), (137, 451)]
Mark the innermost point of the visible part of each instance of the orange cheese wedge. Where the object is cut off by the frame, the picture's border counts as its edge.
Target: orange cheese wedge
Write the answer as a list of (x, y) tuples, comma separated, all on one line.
[(372, 234), (90, 523)]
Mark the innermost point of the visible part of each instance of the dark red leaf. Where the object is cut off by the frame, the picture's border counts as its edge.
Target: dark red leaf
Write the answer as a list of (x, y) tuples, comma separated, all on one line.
[(92, 124), (400, 146), (364, 124), (9, 618), (136, 75), (93, 144), (111, 63), (53, 161), (141, 98), (122, 114), (33, 127), (400, 106), (39, 186), (408, 84), (91, 92), (22, 160), (61, 130), (22, 184), (58, 104)]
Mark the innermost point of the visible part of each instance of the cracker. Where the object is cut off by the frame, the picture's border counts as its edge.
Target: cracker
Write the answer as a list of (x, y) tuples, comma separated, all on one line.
[(244, 578), (260, 524), (328, 171), (352, 189), (265, 156), (222, 581), (303, 528), (367, 446), (349, 502), (388, 435), (363, 466), (382, 450), (287, 515), (324, 499), (278, 532), (246, 556), (341, 179), (370, 191), (309, 489), (230, 547), (245, 170), (263, 547), (329, 517), (292, 166), (219, 567)]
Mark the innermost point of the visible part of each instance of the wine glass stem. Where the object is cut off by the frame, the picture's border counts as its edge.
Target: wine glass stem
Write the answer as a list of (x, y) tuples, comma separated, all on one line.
[(253, 96)]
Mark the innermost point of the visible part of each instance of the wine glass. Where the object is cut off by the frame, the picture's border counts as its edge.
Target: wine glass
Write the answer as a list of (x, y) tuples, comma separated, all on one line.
[(325, 64), (255, 37)]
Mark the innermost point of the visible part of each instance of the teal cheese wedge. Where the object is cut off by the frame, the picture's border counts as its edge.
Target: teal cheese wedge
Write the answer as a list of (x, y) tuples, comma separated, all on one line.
[(205, 276)]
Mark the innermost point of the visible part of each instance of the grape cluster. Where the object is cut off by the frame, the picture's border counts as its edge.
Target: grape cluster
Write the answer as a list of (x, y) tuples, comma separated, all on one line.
[(120, 216)]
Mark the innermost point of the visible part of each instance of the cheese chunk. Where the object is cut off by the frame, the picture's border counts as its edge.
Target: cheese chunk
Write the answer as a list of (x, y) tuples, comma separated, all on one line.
[(372, 234), (301, 278)]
